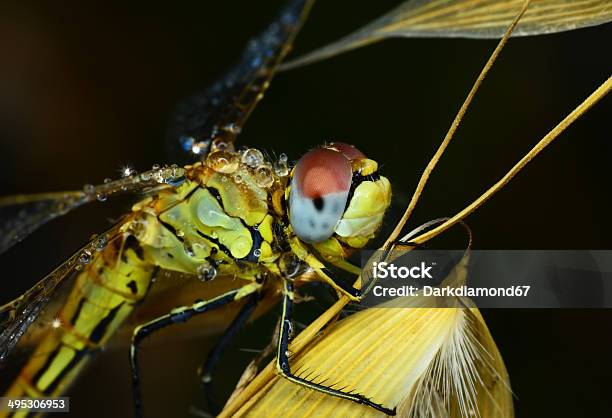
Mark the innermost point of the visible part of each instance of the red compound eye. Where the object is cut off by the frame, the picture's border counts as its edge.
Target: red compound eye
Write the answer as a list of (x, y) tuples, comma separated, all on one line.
[(319, 191), (322, 171), (348, 150)]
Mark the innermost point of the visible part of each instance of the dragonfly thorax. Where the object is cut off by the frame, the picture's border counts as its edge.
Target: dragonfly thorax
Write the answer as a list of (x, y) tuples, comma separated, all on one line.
[(220, 220)]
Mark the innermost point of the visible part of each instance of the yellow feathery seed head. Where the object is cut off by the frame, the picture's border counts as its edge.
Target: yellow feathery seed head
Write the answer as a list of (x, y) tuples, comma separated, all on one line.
[(430, 357)]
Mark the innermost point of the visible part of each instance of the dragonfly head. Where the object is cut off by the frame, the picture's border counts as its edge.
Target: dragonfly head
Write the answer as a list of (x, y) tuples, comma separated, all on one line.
[(336, 192)]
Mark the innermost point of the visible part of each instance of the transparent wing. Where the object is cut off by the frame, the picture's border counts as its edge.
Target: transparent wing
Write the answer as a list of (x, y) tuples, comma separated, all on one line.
[(23, 214), (467, 19), (221, 110), (17, 315)]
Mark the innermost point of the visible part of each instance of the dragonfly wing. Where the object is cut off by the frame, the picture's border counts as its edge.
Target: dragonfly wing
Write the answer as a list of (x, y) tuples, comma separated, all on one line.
[(17, 315), (221, 110), (467, 19), (21, 215)]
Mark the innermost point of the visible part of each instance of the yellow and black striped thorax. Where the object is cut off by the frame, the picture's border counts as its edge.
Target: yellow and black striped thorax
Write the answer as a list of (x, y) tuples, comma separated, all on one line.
[(226, 217)]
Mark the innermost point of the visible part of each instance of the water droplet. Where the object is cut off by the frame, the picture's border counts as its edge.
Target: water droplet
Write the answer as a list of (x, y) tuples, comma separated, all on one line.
[(165, 175), (238, 178), (281, 169), (223, 161), (177, 171), (127, 171), (85, 257), (89, 188), (200, 147), (291, 266), (219, 144), (206, 272), (56, 323), (101, 243), (101, 197), (107, 180), (264, 176), (188, 249), (232, 128), (291, 329), (252, 157), (257, 252), (283, 158)]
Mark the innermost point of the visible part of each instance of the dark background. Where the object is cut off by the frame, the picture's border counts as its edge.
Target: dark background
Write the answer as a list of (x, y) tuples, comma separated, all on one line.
[(87, 88)]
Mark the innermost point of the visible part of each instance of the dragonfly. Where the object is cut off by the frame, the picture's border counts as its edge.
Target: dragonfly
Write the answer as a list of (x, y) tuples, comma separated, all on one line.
[(233, 213)]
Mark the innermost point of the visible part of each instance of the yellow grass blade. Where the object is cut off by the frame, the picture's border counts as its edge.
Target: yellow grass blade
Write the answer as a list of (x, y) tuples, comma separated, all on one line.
[(467, 19)]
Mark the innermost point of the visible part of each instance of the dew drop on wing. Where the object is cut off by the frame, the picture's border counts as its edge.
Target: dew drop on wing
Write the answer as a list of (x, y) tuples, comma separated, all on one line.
[(85, 257)]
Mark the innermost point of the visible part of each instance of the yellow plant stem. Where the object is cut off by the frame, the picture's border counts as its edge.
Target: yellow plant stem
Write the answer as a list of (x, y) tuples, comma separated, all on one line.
[(453, 128), (589, 102)]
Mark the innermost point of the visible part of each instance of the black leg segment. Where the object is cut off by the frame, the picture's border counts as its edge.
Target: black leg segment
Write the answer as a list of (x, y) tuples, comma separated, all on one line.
[(282, 359), (176, 316), (212, 359)]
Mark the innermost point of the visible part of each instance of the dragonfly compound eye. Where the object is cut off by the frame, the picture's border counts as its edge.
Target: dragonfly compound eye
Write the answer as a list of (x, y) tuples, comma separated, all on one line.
[(320, 188), (348, 150)]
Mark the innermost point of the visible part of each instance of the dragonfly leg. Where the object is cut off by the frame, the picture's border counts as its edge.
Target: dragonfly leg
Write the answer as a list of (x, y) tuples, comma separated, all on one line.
[(212, 359), (284, 369), (176, 316), (400, 243), (352, 292)]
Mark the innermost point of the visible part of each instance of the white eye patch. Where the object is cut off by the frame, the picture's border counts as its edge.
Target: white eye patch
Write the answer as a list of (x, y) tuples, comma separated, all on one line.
[(314, 220)]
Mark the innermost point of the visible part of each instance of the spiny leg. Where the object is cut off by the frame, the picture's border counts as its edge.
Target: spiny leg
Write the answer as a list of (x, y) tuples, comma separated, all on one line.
[(177, 315), (212, 359), (282, 358)]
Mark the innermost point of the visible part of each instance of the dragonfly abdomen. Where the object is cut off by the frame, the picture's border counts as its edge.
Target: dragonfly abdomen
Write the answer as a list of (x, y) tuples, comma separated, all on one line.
[(103, 295)]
